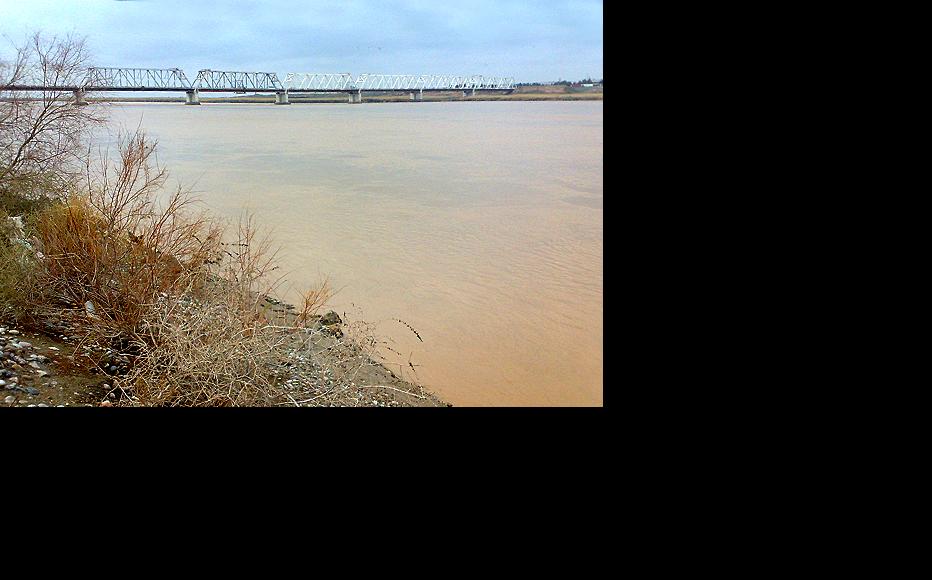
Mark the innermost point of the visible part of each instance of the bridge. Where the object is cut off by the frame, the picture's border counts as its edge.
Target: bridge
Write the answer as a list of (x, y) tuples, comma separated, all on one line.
[(102, 79)]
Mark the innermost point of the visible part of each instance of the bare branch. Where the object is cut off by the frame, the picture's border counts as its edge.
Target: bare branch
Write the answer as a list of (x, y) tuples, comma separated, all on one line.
[(42, 133)]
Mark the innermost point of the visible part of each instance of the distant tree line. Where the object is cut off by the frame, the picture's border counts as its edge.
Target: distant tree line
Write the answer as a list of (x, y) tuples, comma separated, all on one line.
[(585, 81)]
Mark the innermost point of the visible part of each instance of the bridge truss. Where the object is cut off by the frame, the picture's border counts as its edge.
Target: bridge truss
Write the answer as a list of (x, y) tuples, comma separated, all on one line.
[(318, 82), (237, 82), (137, 78)]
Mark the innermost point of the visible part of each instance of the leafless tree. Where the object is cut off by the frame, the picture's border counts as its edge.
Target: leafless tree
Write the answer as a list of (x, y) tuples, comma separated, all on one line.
[(43, 132)]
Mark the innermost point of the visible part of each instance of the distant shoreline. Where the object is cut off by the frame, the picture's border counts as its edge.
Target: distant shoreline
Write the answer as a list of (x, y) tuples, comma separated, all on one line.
[(522, 93)]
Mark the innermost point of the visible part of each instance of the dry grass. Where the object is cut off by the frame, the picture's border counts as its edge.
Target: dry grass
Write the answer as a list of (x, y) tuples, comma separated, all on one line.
[(214, 343), (113, 248), (201, 352), (312, 301), (18, 269)]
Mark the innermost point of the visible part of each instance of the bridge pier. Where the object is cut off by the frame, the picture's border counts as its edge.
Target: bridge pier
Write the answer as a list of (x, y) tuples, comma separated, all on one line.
[(191, 98), (79, 98), (355, 97), (473, 92), (281, 98)]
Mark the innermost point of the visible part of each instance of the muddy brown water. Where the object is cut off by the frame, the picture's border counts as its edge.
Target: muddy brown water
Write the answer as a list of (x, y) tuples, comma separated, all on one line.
[(479, 224)]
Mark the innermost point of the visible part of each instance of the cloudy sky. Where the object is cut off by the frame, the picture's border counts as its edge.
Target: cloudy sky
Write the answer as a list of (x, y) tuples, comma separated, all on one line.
[(531, 40)]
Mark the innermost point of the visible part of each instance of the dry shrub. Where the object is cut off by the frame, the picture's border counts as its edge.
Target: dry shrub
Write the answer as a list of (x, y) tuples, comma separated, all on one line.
[(202, 352), (312, 301), (18, 269), (42, 132), (212, 343), (115, 247), (245, 265), (217, 343)]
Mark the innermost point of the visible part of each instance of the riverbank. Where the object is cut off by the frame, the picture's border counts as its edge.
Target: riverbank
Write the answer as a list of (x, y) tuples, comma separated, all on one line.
[(56, 368)]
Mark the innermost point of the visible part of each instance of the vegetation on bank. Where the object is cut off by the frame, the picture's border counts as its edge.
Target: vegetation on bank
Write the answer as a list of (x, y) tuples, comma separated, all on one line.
[(95, 242)]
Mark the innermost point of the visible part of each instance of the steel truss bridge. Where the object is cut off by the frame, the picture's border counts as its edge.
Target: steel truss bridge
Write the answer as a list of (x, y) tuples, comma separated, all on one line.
[(100, 79)]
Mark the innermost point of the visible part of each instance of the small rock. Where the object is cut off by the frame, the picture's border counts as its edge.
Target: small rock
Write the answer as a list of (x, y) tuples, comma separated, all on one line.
[(32, 390), (330, 318), (9, 400), (41, 405), (106, 403), (25, 345)]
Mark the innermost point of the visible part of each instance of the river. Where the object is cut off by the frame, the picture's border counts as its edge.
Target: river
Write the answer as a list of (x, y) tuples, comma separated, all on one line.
[(479, 224)]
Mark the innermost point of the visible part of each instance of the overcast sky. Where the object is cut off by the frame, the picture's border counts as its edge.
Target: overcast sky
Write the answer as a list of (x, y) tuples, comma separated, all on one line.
[(531, 40)]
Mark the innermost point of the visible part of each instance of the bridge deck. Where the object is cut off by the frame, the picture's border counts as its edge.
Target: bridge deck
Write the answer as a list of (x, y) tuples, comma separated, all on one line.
[(63, 89)]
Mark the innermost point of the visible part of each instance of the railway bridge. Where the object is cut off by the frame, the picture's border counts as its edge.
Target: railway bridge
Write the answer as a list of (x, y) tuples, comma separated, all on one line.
[(100, 79)]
